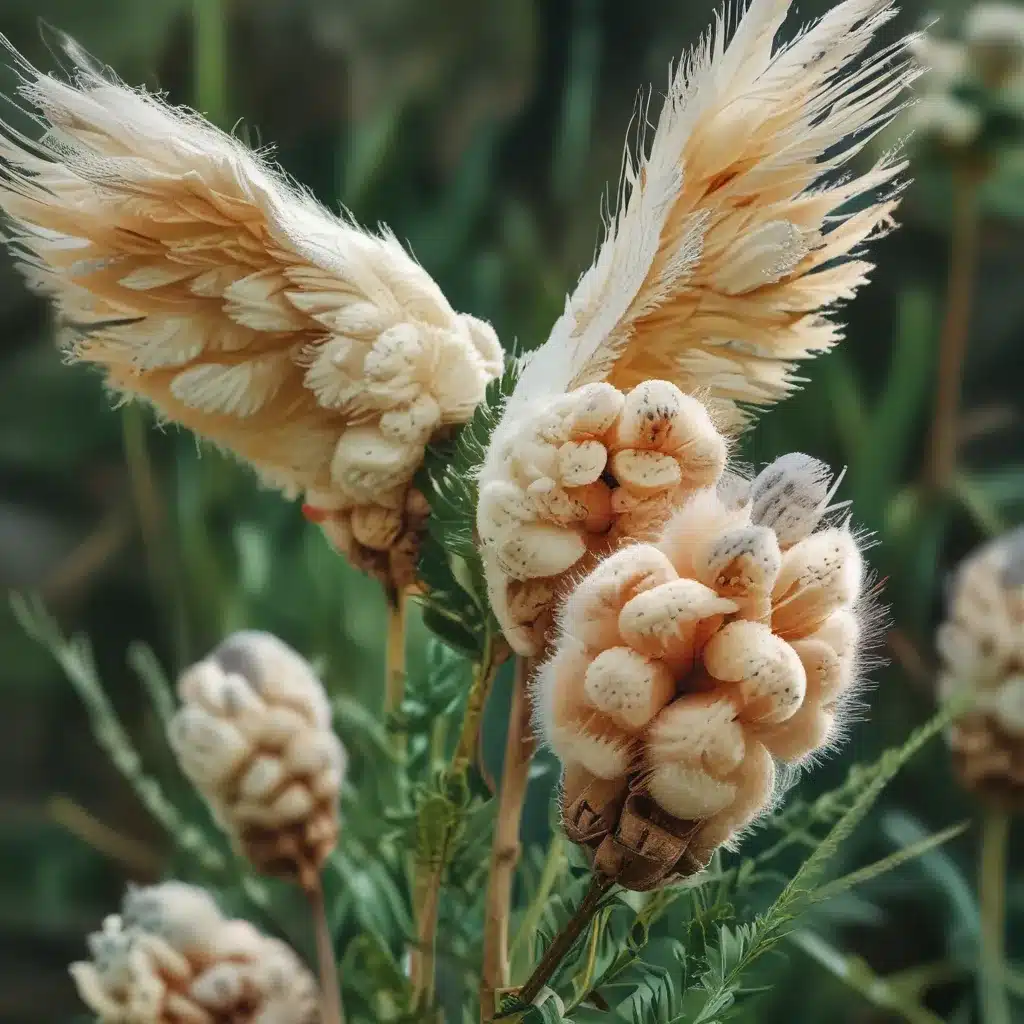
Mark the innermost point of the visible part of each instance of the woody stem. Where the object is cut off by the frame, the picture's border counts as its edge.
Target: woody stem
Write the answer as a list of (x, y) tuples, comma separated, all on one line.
[(330, 985), (942, 443), (394, 663), (515, 774), (566, 938)]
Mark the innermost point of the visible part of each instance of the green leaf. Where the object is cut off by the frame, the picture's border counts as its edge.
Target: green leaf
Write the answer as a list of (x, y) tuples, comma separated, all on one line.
[(886, 864)]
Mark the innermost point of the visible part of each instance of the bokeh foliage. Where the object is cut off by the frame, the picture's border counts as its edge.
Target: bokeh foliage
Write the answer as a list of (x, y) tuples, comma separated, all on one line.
[(484, 133)]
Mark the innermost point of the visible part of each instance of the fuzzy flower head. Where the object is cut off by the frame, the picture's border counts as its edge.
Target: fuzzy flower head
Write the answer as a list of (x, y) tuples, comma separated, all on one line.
[(584, 471), (203, 282), (734, 222), (982, 649), (994, 34), (686, 668), (254, 736), (171, 957), (969, 92)]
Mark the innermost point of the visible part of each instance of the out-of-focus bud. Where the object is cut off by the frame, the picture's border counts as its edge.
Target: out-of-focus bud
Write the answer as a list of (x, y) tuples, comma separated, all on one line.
[(684, 669), (994, 34), (254, 736), (981, 645), (170, 957)]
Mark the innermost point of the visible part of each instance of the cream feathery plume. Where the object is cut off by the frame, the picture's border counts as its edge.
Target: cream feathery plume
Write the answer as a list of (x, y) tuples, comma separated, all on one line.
[(733, 232), (202, 280), (685, 669), (171, 957), (732, 240)]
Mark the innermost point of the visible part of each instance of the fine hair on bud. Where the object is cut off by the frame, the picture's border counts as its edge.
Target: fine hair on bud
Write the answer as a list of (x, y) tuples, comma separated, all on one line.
[(686, 670)]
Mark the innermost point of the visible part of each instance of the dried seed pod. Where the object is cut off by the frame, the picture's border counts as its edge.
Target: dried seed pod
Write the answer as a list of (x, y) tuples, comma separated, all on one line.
[(254, 736), (577, 476), (170, 957), (981, 645), (684, 668)]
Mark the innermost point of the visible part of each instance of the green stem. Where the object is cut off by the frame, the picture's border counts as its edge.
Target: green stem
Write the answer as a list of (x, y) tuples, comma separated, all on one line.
[(436, 844), (995, 831), (555, 865), (209, 58)]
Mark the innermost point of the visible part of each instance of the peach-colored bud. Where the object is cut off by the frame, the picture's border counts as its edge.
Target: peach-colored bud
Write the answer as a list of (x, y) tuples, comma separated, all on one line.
[(770, 675), (629, 688), (819, 575), (667, 621), (743, 564), (596, 466), (591, 613), (682, 668)]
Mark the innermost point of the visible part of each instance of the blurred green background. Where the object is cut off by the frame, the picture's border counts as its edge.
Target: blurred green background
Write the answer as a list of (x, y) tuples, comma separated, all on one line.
[(483, 132)]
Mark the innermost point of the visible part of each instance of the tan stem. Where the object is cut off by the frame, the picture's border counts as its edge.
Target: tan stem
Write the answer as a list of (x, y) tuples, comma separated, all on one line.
[(330, 985), (995, 1009), (142, 861), (394, 664), (963, 258), (422, 966), (515, 775)]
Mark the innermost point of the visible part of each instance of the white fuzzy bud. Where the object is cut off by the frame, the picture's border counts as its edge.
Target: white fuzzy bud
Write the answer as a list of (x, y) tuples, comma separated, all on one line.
[(982, 650), (790, 496), (253, 734), (170, 957), (579, 474)]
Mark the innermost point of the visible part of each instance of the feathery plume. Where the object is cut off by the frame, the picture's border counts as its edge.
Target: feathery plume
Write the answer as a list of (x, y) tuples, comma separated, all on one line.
[(684, 669), (981, 645), (733, 231), (171, 957), (732, 240), (203, 281), (254, 736)]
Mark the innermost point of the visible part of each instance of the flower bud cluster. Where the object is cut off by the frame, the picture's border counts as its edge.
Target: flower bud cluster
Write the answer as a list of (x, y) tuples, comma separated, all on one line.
[(171, 957), (573, 479), (981, 645), (408, 384), (969, 81), (254, 736), (685, 668)]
